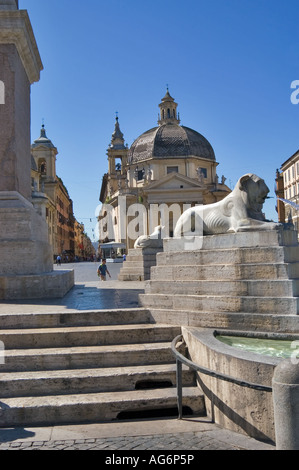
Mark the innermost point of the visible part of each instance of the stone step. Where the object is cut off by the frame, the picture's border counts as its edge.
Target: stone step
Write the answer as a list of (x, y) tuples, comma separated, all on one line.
[(226, 271), (254, 238), (66, 382), (79, 367), (86, 336), (93, 407), (134, 257), (138, 264), (131, 267), (19, 360), (256, 255), (263, 288), (132, 264), (76, 318), (131, 276), (221, 303), (142, 253), (243, 321), (140, 259), (134, 271)]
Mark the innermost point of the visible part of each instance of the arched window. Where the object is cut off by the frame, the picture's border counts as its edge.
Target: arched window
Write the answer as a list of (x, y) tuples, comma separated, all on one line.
[(2, 93), (43, 168)]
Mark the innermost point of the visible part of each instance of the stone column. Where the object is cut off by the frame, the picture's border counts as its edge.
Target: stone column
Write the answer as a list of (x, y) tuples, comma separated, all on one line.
[(286, 405), (24, 244), (20, 66)]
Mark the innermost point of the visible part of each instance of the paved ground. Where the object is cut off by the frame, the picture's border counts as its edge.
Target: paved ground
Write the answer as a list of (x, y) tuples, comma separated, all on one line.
[(89, 292), (152, 435), (182, 436)]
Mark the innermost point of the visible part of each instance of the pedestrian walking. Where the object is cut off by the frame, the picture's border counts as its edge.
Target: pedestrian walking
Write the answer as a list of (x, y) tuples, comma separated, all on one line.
[(103, 270)]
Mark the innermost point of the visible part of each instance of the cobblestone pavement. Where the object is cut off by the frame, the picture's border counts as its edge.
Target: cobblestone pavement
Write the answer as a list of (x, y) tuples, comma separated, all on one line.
[(172, 442), (167, 434)]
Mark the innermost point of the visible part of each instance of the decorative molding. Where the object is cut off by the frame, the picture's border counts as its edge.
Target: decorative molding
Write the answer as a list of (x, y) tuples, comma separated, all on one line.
[(15, 28), (9, 4)]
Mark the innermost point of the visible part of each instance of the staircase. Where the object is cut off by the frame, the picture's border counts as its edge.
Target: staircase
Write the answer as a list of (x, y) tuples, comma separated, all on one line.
[(88, 367), (236, 281), (138, 265)]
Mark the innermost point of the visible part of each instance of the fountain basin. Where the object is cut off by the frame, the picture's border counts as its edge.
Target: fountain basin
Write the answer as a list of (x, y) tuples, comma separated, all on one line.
[(232, 406), (274, 346)]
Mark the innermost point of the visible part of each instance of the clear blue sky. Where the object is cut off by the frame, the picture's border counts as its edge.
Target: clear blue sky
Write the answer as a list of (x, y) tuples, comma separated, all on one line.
[(229, 65)]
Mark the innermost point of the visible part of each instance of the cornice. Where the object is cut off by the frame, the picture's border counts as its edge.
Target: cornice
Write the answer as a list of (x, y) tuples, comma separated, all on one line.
[(15, 28), (290, 161)]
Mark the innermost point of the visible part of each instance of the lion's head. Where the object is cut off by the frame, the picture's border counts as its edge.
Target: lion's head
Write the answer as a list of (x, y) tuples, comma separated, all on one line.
[(254, 192)]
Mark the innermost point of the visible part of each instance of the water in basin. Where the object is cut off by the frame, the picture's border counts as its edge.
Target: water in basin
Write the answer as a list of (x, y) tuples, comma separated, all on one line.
[(269, 347)]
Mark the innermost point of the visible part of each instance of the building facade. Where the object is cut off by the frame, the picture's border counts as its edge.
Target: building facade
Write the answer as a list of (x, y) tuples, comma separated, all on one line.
[(65, 223), (287, 187), (167, 169), (43, 180), (84, 249), (51, 198)]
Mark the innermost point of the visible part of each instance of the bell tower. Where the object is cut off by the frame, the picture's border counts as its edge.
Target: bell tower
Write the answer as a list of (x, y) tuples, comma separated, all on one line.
[(117, 160), (44, 153)]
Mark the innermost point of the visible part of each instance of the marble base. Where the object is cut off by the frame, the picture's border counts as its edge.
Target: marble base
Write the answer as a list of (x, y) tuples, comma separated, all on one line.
[(26, 267), (55, 284)]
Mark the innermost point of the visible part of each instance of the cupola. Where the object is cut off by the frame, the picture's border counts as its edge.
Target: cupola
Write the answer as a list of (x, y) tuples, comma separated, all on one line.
[(168, 110)]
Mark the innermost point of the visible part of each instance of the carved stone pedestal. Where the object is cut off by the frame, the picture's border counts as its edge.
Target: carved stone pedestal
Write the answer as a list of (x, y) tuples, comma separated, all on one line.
[(247, 280)]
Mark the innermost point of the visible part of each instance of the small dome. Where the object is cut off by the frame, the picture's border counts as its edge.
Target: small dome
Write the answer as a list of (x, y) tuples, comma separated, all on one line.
[(43, 140), (117, 141), (170, 140)]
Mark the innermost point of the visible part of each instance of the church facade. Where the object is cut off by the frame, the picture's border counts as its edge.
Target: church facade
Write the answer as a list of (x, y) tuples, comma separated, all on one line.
[(166, 170)]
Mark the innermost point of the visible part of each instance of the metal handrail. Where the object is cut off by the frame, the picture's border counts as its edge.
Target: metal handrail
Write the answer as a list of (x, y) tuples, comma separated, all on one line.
[(180, 360)]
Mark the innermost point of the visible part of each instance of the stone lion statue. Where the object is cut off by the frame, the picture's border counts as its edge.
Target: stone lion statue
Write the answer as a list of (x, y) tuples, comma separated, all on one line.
[(241, 210), (150, 241)]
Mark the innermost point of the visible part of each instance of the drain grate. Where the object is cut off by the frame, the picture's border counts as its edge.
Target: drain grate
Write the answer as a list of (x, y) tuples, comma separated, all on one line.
[(151, 384), (153, 413)]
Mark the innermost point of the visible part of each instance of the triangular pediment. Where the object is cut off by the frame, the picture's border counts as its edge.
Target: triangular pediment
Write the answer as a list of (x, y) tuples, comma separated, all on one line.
[(174, 181)]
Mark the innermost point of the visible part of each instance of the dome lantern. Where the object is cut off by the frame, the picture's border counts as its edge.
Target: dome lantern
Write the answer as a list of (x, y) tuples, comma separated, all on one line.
[(170, 139), (168, 110)]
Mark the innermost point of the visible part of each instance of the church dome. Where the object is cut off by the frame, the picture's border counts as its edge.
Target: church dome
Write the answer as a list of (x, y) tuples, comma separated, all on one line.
[(170, 139)]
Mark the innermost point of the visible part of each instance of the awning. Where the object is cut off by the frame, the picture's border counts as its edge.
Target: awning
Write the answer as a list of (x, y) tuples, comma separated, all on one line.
[(112, 245)]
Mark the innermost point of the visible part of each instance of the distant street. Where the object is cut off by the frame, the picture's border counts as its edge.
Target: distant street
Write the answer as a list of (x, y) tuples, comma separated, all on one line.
[(86, 271), (89, 292)]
